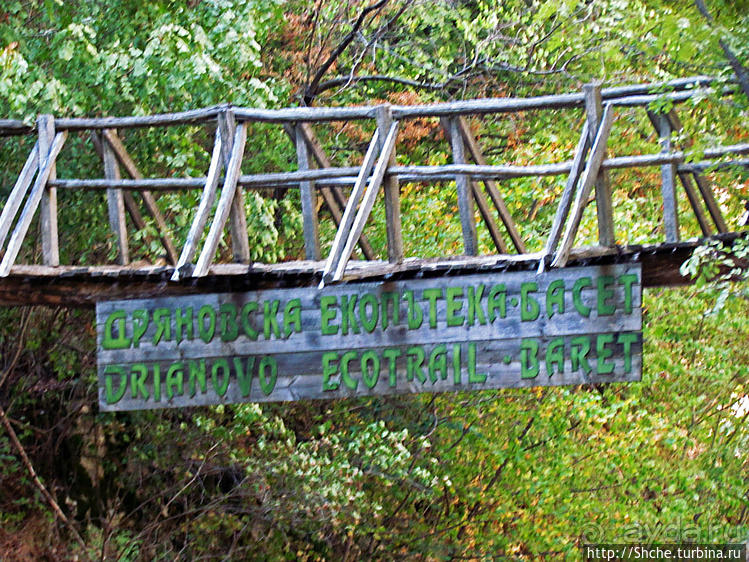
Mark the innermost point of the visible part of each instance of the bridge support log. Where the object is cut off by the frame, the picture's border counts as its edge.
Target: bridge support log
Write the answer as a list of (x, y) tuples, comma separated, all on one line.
[(604, 204), (50, 238), (465, 194), (116, 204), (392, 195)]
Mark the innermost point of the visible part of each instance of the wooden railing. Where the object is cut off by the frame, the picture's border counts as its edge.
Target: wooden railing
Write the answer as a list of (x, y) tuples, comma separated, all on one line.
[(350, 193)]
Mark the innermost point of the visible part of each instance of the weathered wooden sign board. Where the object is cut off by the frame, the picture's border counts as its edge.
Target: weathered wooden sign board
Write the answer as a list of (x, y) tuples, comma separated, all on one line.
[(569, 326)]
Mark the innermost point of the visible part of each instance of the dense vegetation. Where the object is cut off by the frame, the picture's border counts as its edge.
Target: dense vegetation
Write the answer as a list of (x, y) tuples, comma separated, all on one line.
[(521, 474)]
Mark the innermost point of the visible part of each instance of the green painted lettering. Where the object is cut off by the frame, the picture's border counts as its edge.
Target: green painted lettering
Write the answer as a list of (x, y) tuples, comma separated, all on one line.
[(529, 365), (529, 308), (329, 369), (268, 373), (183, 322), (457, 372), (628, 280), (577, 299), (229, 327), (604, 294), (109, 340), (162, 319), (475, 311), (140, 325), (414, 364), (497, 300), (110, 371), (580, 347), (220, 365), (156, 382), (392, 298), (270, 319), (627, 340), (370, 367), (473, 376), (392, 354), (369, 312), (433, 295), (454, 305), (604, 367), (348, 316), (345, 377), (415, 315), (438, 363), (555, 356), (247, 324), (244, 376), (175, 377), (196, 370), (328, 306), (292, 317), (206, 333), (138, 374), (555, 297)]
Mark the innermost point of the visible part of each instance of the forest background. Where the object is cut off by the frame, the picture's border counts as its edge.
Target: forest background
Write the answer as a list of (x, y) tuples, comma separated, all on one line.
[(516, 474)]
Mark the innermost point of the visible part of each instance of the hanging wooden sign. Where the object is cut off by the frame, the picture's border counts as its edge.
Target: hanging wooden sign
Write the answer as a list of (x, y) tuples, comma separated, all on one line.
[(519, 329)]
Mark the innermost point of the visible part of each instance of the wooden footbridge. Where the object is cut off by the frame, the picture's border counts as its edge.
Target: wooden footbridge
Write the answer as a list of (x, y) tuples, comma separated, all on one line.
[(350, 194)]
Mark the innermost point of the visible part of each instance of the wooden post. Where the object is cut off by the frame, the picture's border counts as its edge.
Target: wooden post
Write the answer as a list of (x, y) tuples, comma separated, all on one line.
[(225, 202), (604, 205), (32, 204), (668, 184), (116, 204), (587, 181), (491, 186), (10, 209), (50, 239), (204, 208), (333, 197), (126, 161), (309, 200), (391, 190), (465, 197), (227, 124)]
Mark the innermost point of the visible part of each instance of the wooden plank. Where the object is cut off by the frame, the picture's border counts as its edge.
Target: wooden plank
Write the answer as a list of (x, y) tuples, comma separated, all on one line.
[(391, 191), (20, 188), (668, 184), (126, 161), (491, 187), (479, 197), (587, 181), (32, 203), (116, 205), (347, 220), (224, 203), (368, 200), (309, 201), (578, 163), (333, 197), (48, 218), (712, 205), (227, 125), (465, 196), (201, 215), (604, 204), (470, 332)]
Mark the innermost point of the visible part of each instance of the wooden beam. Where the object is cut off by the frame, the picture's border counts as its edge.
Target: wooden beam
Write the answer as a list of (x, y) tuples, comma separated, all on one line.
[(368, 200), (50, 237), (32, 203), (334, 198), (578, 163), (227, 124), (126, 161), (309, 200), (21, 187), (224, 204), (392, 197), (478, 195), (587, 181), (116, 205), (604, 204), (491, 186), (201, 215), (344, 229), (465, 196), (668, 184)]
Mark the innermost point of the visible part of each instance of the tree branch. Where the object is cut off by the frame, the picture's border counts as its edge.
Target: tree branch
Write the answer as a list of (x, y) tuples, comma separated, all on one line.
[(312, 89)]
